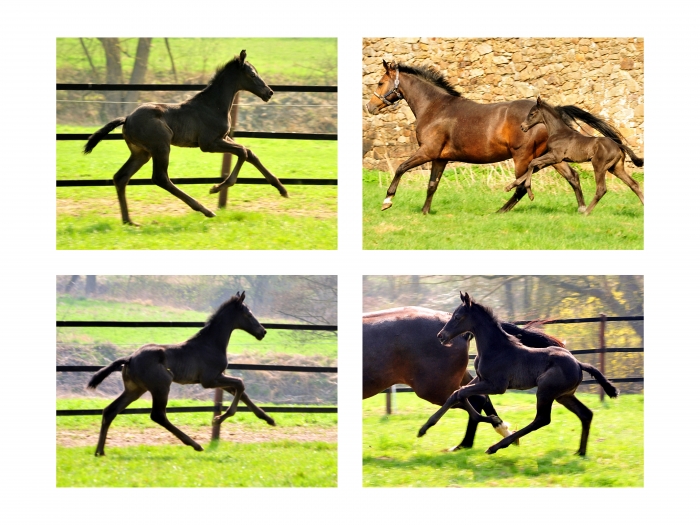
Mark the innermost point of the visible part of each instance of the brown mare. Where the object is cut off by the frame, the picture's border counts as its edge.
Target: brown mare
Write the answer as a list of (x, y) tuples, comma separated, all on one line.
[(450, 127), (202, 121), (399, 346), (565, 144), (199, 360), (504, 362)]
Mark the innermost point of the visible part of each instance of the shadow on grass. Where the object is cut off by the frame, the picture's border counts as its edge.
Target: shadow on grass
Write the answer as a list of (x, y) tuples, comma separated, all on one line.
[(555, 461)]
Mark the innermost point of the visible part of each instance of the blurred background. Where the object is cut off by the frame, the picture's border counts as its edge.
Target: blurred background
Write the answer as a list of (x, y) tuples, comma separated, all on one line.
[(533, 297), (305, 300), (279, 61)]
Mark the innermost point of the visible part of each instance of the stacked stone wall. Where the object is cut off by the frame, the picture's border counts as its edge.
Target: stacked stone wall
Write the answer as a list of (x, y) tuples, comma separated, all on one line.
[(602, 75)]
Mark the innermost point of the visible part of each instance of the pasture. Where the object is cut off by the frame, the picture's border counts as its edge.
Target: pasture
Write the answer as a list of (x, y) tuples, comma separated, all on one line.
[(463, 213), (301, 451), (256, 216), (394, 457), (275, 342)]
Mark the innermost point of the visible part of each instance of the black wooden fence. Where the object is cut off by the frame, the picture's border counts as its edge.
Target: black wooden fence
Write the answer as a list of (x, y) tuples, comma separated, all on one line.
[(601, 351), (239, 134), (217, 407)]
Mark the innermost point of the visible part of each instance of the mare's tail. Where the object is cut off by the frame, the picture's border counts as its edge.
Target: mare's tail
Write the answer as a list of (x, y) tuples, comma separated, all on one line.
[(639, 162), (104, 372), (570, 114), (602, 380), (101, 133)]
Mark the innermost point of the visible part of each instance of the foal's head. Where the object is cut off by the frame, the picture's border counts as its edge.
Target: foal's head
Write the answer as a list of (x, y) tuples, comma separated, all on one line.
[(248, 77), (243, 318), (461, 321), (533, 117)]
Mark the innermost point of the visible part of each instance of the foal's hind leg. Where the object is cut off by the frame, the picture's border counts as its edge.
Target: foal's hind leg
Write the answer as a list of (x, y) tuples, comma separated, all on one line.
[(600, 187), (160, 401), (138, 158), (161, 159), (542, 418), (619, 171), (584, 414), (131, 393)]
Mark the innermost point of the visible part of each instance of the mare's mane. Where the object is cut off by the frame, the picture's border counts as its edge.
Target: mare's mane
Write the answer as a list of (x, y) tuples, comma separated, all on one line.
[(432, 76)]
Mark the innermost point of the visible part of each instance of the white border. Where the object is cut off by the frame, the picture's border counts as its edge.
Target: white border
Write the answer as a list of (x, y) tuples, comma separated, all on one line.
[(669, 261)]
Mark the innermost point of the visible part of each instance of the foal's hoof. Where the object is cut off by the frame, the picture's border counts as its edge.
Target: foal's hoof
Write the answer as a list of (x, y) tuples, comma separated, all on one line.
[(215, 189), (208, 213), (422, 431), (491, 450), (129, 223), (197, 447), (271, 422), (284, 194), (530, 194), (386, 206)]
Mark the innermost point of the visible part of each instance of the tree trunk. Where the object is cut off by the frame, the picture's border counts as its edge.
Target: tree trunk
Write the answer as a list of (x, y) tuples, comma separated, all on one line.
[(138, 75), (113, 76)]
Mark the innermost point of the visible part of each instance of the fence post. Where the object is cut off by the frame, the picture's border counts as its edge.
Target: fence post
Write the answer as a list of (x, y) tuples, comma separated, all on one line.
[(601, 354), (218, 399), (226, 163)]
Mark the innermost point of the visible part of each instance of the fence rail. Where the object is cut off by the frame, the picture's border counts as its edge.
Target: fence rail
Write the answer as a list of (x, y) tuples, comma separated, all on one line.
[(231, 366)]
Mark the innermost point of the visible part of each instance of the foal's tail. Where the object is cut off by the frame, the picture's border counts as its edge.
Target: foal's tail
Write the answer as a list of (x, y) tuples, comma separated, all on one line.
[(637, 161), (602, 380), (101, 133), (102, 374)]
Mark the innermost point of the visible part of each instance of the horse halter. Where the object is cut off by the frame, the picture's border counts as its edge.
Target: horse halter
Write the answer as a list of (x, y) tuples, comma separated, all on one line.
[(394, 91)]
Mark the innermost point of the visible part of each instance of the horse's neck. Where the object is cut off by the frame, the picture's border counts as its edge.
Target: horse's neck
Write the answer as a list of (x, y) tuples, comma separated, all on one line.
[(218, 331), (488, 334), (222, 94), (554, 123), (419, 93)]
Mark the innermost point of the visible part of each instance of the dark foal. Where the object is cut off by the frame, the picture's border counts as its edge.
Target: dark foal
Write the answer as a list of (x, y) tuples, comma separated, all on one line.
[(450, 127), (202, 121), (399, 347), (504, 363), (565, 144), (199, 360)]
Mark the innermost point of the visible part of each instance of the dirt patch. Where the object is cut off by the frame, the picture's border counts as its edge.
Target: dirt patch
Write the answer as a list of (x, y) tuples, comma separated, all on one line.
[(119, 437)]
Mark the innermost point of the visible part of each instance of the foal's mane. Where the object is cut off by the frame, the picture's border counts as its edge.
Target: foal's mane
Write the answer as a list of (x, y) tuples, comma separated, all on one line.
[(488, 311), (431, 75)]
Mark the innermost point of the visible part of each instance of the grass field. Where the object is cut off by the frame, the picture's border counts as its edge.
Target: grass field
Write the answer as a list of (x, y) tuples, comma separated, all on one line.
[(268, 457), (70, 308), (394, 457), (463, 214), (256, 217)]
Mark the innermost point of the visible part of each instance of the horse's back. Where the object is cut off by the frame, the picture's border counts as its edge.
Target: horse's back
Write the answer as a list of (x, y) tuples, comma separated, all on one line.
[(401, 346)]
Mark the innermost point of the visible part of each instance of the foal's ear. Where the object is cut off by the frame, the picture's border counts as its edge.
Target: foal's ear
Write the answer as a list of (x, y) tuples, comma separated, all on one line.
[(539, 100), (242, 57), (466, 300), (242, 297)]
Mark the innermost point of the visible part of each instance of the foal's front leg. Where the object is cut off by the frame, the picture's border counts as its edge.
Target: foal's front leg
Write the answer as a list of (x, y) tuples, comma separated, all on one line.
[(476, 387)]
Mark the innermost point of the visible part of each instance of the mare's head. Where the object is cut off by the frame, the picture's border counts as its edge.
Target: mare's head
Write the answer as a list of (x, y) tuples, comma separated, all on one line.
[(248, 78), (243, 318), (461, 321), (387, 93)]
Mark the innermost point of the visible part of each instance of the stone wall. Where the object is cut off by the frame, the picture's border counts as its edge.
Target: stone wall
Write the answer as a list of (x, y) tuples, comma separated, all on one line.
[(602, 75)]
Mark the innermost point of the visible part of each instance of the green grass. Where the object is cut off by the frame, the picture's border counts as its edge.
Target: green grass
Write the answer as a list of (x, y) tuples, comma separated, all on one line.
[(276, 464), (394, 456), (256, 217), (293, 60), (463, 214), (282, 463), (77, 309)]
